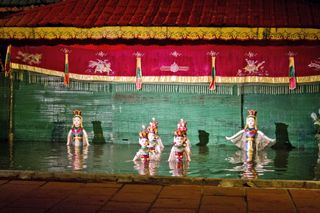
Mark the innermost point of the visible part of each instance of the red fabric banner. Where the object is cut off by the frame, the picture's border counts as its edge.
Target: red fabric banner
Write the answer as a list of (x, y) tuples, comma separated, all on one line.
[(170, 60)]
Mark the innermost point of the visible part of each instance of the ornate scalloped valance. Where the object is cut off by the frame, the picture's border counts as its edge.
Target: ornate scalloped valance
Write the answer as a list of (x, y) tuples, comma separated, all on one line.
[(160, 33)]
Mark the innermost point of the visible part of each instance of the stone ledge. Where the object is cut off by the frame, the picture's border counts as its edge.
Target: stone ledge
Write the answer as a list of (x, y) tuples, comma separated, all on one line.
[(160, 180)]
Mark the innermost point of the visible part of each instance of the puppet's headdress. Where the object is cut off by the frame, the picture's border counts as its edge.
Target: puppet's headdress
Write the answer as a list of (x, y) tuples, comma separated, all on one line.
[(153, 126), (252, 113), (77, 113), (143, 133), (181, 128)]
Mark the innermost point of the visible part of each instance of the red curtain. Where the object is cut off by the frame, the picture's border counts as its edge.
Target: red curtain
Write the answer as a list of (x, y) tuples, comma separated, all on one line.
[(170, 60)]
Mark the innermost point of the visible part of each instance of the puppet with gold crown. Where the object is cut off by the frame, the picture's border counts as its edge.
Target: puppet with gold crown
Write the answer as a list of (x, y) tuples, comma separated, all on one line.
[(155, 142), (251, 139), (181, 148), (77, 136), (143, 152)]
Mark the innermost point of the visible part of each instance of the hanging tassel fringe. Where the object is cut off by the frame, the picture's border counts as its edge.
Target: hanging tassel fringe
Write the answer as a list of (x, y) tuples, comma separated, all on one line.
[(221, 89)]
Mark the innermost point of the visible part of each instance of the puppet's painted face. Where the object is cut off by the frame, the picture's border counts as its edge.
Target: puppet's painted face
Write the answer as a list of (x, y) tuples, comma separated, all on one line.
[(77, 121), (143, 142), (151, 136), (251, 122), (179, 140)]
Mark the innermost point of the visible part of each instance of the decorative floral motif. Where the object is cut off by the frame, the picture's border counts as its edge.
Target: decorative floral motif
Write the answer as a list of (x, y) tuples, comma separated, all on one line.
[(254, 67), (212, 53), (66, 50), (138, 54), (174, 67), (251, 54), (175, 54), (292, 54), (315, 64), (101, 54), (29, 58), (100, 65)]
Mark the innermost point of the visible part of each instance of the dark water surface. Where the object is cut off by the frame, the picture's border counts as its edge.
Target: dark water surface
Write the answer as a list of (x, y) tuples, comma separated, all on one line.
[(214, 161)]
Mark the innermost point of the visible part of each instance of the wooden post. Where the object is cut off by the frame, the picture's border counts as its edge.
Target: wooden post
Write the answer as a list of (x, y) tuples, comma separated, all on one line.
[(10, 106)]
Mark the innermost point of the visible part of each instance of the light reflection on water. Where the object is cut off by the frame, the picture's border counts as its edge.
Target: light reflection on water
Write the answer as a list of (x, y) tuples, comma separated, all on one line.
[(210, 161)]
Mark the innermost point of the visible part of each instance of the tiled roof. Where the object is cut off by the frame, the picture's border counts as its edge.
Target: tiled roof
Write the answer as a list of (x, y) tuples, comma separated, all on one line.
[(8, 7), (189, 13), (25, 3)]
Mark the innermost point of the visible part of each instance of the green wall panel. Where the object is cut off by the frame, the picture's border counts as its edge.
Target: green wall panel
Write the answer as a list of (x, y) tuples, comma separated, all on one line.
[(44, 113), (214, 114), (293, 110)]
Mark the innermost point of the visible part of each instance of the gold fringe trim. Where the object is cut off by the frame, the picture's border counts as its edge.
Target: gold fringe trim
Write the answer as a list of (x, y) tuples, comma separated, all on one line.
[(266, 80), (170, 79), (175, 33), (56, 82), (22, 67)]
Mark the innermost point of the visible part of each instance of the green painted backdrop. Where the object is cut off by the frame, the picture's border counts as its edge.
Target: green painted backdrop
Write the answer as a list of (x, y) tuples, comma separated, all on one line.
[(43, 112)]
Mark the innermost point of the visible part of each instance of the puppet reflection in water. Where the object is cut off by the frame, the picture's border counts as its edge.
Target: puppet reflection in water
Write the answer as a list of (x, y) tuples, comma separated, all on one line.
[(77, 156), (179, 168), (253, 163), (146, 167)]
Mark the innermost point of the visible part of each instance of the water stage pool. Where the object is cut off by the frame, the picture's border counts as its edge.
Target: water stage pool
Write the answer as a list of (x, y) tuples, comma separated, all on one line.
[(212, 161)]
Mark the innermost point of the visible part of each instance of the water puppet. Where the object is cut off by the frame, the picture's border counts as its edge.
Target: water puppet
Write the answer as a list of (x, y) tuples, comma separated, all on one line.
[(250, 139), (77, 136), (181, 148), (155, 143), (143, 152)]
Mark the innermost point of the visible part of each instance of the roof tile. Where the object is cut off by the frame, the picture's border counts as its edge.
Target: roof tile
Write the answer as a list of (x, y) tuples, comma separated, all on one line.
[(194, 13)]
